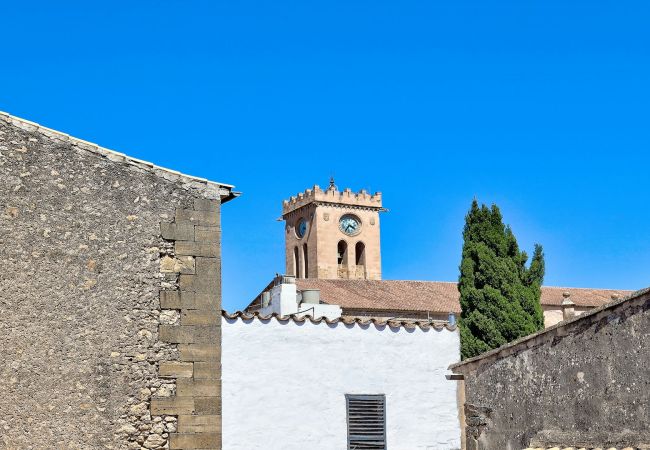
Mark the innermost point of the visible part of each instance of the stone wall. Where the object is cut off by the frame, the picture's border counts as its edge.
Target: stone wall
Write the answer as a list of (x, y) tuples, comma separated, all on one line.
[(83, 262), (197, 402), (582, 383)]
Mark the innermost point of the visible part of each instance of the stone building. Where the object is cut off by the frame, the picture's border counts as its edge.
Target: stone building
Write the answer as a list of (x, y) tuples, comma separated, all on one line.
[(110, 305), (583, 383), (332, 245)]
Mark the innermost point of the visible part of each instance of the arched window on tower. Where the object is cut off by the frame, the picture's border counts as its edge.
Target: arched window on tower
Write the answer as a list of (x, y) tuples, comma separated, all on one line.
[(342, 253), (305, 258), (296, 263), (360, 254), (360, 258)]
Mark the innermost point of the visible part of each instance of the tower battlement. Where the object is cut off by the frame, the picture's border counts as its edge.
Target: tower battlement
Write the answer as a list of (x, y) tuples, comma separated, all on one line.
[(332, 195)]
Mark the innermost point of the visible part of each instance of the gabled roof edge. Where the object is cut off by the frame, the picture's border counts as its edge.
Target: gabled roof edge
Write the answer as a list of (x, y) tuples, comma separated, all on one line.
[(210, 188), (523, 342)]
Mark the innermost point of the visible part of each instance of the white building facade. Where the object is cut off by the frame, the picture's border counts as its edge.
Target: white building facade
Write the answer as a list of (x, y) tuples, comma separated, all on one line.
[(285, 382)]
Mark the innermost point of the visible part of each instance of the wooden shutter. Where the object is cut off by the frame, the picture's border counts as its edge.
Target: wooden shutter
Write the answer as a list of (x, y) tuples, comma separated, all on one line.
[(366, 422)]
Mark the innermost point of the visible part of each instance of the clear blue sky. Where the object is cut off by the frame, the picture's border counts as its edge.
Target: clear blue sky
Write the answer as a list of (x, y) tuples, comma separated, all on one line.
[(539, 106)]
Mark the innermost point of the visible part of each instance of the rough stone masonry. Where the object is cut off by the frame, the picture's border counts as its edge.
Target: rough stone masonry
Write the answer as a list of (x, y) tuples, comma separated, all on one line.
[(584, 383), (109, 298)]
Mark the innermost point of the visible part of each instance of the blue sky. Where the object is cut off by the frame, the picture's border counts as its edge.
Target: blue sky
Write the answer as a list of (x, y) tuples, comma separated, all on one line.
[(538, 106)]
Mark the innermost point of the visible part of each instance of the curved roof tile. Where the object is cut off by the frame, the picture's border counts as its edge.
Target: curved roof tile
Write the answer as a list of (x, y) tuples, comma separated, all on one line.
[(423, 325)]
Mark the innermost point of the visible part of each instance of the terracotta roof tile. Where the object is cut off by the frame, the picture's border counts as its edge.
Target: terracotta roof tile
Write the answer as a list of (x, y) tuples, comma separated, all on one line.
[(409, 324), (433, 296), (552, 296)]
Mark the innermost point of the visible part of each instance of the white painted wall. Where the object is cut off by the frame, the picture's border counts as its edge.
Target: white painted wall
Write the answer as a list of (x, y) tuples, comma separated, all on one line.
[(284, 384)]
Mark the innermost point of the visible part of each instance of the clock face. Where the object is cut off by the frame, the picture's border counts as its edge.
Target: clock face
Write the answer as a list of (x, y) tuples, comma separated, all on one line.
[(350, 224), (301, 228)]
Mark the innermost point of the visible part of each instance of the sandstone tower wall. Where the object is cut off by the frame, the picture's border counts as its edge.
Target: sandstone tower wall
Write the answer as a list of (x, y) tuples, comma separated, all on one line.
[(318, 253)]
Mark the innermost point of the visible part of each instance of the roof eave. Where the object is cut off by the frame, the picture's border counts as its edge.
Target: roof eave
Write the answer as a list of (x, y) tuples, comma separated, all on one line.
[(210, 189), (228, 194)]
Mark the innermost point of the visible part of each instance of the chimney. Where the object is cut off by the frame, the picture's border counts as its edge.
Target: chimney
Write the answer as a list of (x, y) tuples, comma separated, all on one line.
[(568, 307), (311, 296), (266, 298)]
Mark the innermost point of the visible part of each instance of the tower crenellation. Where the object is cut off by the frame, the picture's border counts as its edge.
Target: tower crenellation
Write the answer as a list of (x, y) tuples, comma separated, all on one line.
[(332, 195)]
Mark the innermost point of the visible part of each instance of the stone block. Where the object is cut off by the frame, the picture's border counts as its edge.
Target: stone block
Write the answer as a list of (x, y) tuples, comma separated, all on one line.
[(201, 284), (199, 424), (208, 267), (176, 369), (204, 204), (170, 300), (207, 234), (206, 218), (207, 370), (177, 231), (186, 283), (176, 334), (180, 264), (207, 301), (189, 248), (190, 334), (191, 441), (198, 388), (173, 406), (207, 405), (200, 317), (200, 352)]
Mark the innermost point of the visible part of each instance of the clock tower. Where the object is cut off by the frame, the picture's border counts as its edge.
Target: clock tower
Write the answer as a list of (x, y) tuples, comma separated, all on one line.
[(333, 234)]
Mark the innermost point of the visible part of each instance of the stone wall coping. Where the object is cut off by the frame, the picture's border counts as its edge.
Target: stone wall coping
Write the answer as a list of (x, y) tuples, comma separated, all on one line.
[(541, 337), (208, 189)]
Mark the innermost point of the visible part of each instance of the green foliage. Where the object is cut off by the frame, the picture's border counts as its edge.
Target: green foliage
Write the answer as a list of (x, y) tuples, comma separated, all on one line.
[(499, 294)]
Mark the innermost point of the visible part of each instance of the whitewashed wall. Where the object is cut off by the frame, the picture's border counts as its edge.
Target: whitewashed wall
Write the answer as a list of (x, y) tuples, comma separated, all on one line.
[(284, 384)]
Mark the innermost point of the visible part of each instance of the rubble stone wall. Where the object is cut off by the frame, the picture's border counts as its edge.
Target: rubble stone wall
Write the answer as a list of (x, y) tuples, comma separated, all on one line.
[(581, 384), (82, 333)]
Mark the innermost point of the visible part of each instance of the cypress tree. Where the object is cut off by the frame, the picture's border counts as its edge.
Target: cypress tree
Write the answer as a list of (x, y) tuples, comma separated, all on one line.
[(499, 294)]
